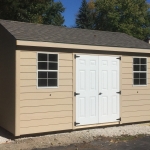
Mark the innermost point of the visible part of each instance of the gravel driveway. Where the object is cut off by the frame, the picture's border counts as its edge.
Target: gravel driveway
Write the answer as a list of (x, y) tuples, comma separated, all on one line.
[(131, 143), (64, 139)]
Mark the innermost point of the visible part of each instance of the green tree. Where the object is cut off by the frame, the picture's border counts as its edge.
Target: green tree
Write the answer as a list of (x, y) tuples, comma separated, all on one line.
[(128, 16), (106, 16), (131, 17), (53, 14), (35, 11), (84, 18)]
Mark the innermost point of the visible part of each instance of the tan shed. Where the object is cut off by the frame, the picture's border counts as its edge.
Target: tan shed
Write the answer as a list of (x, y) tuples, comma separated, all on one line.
[(56, 78)]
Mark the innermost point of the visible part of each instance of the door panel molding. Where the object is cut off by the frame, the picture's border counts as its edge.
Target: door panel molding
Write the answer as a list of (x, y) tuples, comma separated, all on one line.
[(108, 86), (87, 87), (97, 84)]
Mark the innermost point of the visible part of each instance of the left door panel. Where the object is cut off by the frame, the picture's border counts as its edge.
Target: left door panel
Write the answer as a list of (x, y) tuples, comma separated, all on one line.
[(87, 87)]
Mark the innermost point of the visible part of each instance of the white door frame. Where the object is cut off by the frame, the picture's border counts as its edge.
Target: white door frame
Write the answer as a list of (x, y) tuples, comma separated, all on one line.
[(77, 97)]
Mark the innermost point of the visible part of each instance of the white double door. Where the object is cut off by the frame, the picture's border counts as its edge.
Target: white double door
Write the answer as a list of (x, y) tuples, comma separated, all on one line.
[(97, 83)]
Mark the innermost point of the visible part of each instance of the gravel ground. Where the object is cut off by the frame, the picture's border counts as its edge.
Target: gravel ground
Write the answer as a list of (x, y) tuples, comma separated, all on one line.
[(81, 136), (121, 143)]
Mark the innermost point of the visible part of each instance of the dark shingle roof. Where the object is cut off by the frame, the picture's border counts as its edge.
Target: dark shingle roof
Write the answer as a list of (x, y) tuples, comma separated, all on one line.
[(56, 34)]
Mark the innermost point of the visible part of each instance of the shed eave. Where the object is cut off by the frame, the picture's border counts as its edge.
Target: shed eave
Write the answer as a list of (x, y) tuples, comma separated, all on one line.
[(83, 47)]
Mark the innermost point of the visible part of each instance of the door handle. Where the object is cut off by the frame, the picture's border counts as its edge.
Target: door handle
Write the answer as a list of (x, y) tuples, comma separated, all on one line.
[(100, 93)]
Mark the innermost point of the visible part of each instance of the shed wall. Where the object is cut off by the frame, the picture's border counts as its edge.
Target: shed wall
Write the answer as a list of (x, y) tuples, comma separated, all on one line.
[(40, 112), (7, 80), (135, 99)]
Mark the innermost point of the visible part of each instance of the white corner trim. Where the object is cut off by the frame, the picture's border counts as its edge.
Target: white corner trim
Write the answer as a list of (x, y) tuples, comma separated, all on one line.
[(76, 46)]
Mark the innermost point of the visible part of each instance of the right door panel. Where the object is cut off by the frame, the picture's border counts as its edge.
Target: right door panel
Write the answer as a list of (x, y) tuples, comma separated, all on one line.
[(108, 88)]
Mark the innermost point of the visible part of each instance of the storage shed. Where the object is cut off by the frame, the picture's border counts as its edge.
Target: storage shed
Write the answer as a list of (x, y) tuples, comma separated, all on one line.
[(56, 78)]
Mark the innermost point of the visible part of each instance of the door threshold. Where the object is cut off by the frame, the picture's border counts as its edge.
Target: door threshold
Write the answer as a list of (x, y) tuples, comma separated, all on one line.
[(96, 125)]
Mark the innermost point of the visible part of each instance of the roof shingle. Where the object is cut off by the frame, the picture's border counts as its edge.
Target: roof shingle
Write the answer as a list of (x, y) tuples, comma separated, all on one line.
[(56, 34)]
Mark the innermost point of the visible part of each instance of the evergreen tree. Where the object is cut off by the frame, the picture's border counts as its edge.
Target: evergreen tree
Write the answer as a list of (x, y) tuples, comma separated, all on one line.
[(128, 16), (35, 11), (53, 14), (84, 18), (131, 17)]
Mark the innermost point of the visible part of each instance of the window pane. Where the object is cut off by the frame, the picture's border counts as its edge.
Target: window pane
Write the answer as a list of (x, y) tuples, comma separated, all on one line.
[(143, 60), (142, 81), (53, 57), (142, 75), (42, 82), (143, 67), (136, 68), (42, 65), (52, 75), (53, 66), (42, 74), (46, 63), (136, 75), (52, 82), (42, 57), (136, 81), (136, 61)]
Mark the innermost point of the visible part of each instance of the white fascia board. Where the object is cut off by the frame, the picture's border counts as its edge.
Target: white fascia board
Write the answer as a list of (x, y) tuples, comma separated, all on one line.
[(83, 47)]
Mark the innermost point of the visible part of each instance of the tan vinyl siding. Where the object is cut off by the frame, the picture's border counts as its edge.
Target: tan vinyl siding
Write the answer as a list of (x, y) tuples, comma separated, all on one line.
[(33, 89), (30, 96), (45, 128), (8, 106), (135, 99), (46, 115), (136, 118), (45, 109), (45, 102), (44, 122)]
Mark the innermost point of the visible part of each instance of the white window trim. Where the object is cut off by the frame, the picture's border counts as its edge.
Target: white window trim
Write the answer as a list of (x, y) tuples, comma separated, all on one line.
[(46, 71), (140, 72)]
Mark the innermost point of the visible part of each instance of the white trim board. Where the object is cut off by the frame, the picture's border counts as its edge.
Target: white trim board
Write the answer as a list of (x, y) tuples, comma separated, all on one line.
[(76, 46)]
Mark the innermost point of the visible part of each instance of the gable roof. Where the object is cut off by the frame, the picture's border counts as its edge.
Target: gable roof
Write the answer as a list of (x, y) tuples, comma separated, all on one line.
[(56, 34)]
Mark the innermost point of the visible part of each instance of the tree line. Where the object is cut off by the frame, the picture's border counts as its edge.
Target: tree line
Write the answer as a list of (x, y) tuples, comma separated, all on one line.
[(33, 11), (128, 16)]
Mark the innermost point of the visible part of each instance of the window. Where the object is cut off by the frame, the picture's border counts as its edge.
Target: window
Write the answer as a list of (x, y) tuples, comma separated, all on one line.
[(139, 71), (47, 70)]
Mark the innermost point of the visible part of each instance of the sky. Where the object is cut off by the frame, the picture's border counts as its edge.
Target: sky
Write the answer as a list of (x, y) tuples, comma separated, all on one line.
[(71, 10)]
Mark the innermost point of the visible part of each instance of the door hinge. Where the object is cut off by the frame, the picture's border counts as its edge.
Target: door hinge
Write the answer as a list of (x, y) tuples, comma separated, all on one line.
[(119, 58), (119, 119), (75, 56), (76, 123), (75, 94), (119, 92)]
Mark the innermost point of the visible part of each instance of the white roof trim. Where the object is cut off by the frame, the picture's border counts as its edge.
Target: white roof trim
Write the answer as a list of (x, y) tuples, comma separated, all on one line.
[(76, 46)]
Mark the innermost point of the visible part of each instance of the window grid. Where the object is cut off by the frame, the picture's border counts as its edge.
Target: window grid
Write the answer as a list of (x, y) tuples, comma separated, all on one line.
[(140, 73), (48, 71)]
